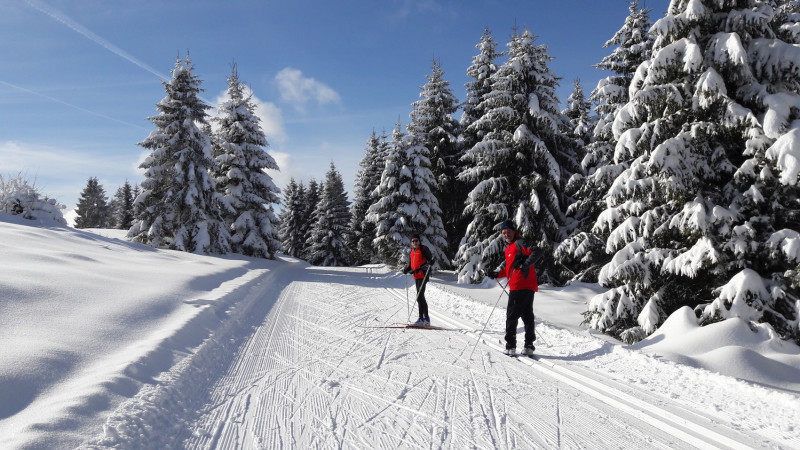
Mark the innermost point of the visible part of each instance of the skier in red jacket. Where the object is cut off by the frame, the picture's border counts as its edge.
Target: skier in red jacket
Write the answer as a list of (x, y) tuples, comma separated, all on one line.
[(420, 261), (518, 267)]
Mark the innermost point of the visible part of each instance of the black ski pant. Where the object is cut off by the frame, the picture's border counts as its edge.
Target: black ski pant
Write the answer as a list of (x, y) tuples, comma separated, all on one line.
[(520, 306), (423, 304)]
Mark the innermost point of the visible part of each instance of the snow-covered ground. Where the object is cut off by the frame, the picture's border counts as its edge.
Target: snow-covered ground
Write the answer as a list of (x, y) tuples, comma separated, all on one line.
[(106, 343)]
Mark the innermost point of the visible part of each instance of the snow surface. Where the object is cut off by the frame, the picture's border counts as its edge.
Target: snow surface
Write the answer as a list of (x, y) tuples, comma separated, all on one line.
[(107, 343)]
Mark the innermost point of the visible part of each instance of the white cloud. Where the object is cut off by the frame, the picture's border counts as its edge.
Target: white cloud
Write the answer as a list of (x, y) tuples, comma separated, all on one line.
[(61, 173), (299, 90), (271, 121), (18, 157), (284, 161), (408, 8)]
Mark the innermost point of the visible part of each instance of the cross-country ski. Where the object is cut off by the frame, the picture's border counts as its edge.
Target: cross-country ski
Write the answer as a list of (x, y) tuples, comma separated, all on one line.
[(415, 327)]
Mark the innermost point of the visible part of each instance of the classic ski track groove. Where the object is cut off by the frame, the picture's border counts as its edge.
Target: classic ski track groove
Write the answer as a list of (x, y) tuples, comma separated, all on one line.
[(281, 391), (544, 443), (682, 428)]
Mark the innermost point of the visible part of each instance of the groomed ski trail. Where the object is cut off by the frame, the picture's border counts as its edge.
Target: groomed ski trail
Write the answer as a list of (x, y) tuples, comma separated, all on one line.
[(304, 371)]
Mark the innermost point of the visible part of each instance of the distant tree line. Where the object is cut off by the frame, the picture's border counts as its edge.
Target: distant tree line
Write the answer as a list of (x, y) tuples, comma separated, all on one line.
[(95, 210)]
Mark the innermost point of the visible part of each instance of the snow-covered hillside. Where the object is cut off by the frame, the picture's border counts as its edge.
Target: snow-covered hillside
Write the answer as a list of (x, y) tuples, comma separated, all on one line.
[(108, 343)]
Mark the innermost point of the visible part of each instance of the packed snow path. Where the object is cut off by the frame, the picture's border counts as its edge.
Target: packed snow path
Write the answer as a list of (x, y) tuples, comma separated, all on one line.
[(302, 364)]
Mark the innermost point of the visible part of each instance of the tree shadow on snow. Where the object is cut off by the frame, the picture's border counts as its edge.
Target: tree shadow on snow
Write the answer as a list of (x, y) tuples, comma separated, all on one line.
[(604, 349)]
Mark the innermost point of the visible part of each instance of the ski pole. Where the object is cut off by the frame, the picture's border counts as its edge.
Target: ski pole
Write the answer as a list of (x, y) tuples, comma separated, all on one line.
[(424, 283), (539, 335), (408, 306), (490, 314)]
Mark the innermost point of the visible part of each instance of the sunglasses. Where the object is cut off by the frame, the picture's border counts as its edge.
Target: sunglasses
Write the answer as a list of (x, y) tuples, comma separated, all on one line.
[(415, 240)]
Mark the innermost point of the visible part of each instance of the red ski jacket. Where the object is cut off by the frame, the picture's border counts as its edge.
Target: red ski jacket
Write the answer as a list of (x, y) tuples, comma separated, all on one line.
[(521, 251), (418, 258)]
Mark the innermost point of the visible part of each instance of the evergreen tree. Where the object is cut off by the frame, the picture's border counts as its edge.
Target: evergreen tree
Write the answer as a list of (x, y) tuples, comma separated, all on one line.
[(633, 44), (137, 207), (122, 207), (690, 221), (292, 228), (330, 233), (433, 123), (787, 16), (248, 193), (583, 253), (521, 164), (179, 203), (406, 204), (93, 210), (577, 112), (313, 196), (480, 73), (367, 179)]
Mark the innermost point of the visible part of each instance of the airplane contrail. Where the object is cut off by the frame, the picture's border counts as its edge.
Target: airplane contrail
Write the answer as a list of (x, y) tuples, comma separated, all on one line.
[(68, 104), (60, 17)]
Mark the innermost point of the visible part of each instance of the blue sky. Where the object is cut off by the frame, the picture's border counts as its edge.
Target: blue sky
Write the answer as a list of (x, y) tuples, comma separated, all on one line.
[(78, 79)]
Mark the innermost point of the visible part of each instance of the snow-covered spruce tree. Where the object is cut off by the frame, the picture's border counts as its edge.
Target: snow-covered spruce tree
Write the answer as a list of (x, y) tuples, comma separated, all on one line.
[(179, 203), (577, 113), (122, 207), (583, 253), (137, 207), (433, 123), (388, 243), (787, 16), (684, 221), (579, 129), (521, 164), (93, 210), (292, 229), (367, 179), (406, 204), (313, 196), (759, 257), (480, 85), (248, 192), (330, 233)]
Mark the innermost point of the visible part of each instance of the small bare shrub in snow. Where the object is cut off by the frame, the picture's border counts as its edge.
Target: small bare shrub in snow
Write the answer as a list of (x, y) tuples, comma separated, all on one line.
[(20, 197), (633, 335)]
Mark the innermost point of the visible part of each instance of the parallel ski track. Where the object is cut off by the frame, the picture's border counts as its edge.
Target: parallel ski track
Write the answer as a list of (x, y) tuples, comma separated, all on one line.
[(537, 430), (304, 380), (691, 427)]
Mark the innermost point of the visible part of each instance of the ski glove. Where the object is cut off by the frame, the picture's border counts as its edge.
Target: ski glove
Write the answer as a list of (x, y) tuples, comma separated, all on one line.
[(493, 274), (519, 261), (406, 269)]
